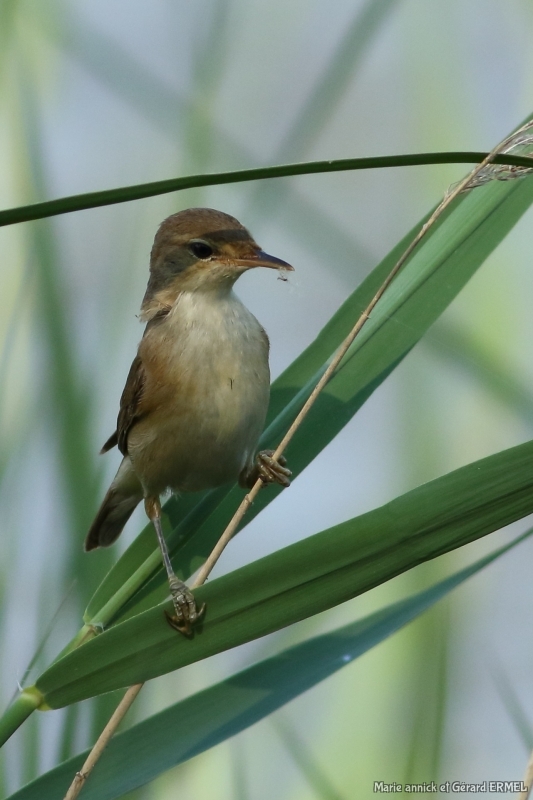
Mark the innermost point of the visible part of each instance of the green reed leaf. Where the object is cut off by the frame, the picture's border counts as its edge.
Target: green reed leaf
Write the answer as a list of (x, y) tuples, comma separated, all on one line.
[(125, 194), (305, 578), (213, 715)]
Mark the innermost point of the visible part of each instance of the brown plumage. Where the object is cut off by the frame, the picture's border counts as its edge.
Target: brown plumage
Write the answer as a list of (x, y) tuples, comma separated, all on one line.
[(196, 396), (123, 496)]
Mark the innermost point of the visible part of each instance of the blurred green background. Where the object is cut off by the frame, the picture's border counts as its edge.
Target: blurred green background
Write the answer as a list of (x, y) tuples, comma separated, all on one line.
[(103, 95)]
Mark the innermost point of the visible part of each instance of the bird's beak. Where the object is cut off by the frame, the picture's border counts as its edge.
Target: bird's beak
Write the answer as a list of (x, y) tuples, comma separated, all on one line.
[(262, 259)]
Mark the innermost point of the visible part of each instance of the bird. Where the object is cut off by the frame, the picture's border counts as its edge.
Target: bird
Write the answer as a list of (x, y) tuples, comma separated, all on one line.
[(196, 396)]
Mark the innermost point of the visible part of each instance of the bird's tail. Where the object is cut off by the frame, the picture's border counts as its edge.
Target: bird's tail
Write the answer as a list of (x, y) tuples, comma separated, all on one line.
[(118, 505)]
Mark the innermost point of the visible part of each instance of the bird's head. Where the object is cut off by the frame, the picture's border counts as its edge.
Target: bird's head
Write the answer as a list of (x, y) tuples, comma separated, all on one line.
[(200, 249)]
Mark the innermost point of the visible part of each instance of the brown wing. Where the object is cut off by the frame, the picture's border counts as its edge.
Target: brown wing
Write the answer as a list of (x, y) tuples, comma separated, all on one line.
[(111, 442), (129, 407), (130, 402)]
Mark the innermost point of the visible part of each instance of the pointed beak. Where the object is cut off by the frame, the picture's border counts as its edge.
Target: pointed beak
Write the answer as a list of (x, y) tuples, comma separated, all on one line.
[(262, 259)]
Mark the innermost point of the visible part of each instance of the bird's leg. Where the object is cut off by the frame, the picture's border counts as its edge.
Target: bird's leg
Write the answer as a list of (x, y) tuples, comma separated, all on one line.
[(266, 468), (187, 615)]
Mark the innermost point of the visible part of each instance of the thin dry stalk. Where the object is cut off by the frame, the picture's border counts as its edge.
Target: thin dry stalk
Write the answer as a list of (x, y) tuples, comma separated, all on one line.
[(133, 691), (528, 780), (103, 740), (518, 143)]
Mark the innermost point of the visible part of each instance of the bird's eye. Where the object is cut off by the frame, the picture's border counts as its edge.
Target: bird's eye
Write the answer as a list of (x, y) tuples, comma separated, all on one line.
[(201, 249)]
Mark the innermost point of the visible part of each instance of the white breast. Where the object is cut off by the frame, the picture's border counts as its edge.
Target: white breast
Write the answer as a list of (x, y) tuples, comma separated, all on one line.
[(215, 395)]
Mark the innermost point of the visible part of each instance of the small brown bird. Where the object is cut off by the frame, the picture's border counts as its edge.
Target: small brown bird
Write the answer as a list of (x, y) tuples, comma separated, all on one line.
[(196, 397)]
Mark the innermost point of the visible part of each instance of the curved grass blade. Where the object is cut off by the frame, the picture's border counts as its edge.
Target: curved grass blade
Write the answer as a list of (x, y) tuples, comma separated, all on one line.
[(213, 715), (305, 578), (125, 194), (437, 271)]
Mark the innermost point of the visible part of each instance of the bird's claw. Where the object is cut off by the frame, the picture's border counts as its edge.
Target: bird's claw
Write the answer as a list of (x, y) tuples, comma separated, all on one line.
[(272, 471), (187, 614)]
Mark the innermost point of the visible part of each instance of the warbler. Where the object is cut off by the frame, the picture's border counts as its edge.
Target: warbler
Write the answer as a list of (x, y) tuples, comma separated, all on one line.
[(195, 400)]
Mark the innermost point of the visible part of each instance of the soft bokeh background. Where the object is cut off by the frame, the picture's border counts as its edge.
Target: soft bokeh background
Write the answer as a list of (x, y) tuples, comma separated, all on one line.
[(99, 95)]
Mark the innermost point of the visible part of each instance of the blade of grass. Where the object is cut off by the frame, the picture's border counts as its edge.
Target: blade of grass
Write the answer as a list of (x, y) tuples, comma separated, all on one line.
[(215, 714), (209, 60), (305, 578), (514, 707), (31, 749), (125, 194), (239, 781), (39, 649), (306, 762), (13, 439), (8, 11), (427, 711)]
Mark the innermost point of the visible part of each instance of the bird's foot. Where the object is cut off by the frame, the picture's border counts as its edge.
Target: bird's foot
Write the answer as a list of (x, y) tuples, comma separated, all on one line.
[(187, 614), (269, 470)]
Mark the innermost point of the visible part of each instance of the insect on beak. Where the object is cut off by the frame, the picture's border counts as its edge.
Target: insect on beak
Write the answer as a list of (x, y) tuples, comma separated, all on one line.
[(262, 259)]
